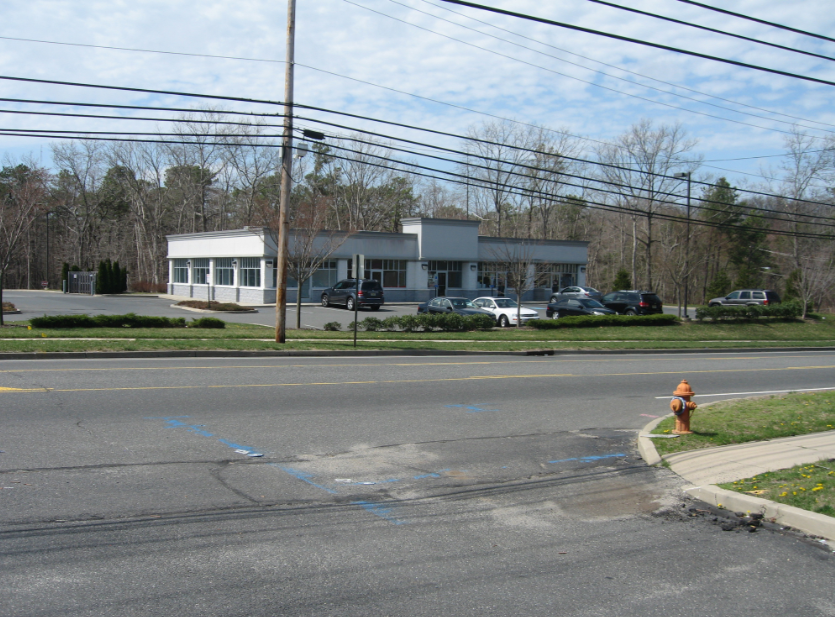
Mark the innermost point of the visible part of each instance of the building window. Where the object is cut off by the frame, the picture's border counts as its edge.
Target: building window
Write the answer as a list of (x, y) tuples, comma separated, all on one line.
[(325, 276), (492, 275), (250, 272), (389, 272), (556, 276), (452, 270), (200, 271), (224, 272), (180, 271)]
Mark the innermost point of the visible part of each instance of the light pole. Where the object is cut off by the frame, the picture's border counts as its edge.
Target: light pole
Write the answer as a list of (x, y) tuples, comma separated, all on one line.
[(686, 175)]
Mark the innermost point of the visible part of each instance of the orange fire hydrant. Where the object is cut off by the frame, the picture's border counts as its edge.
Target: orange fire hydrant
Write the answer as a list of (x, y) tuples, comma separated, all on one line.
[(682, 407)]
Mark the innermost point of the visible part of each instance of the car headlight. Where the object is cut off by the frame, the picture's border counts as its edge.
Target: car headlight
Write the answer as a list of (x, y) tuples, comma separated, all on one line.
[(598, 313)]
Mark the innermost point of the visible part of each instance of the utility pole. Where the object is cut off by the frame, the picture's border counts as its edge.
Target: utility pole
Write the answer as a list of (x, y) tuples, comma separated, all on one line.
[(686, 243), (286, 180)]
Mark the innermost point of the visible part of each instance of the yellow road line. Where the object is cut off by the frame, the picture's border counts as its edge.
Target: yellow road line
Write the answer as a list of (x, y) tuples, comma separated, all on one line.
[(372, 364), (404, 381)]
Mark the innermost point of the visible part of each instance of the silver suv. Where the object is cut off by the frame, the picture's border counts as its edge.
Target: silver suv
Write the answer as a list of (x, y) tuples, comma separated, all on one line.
[(575, 291), (744, 297)]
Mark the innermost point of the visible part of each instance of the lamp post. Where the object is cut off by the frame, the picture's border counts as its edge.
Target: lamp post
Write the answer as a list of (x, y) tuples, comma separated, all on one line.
[(686, 175)]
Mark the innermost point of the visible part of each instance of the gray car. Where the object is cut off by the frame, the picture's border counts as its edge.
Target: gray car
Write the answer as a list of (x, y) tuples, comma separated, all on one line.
[(744, 297), (575, 291)]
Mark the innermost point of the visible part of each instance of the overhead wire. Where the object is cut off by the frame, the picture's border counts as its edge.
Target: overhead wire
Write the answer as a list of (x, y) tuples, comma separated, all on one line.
[(346, 114), (708, 29), (591, 83), (642, 42), (759, 21)]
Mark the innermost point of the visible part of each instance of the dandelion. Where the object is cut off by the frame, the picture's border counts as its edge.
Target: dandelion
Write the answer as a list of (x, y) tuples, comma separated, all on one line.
[(817, 488), (783, 494)]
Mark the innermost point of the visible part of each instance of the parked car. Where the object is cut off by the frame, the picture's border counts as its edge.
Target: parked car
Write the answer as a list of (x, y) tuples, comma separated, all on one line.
[(446, 304), (633, 302), (575, 291), (345, 292), (576, 306), (742, 297), (505, 310)]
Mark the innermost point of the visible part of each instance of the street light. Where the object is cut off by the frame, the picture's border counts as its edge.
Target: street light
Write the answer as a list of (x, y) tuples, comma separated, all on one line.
[(686, 175)]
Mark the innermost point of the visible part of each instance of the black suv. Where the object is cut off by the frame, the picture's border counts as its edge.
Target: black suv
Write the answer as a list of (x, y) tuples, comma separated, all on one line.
[(633, 302), (743, 297), (345, 292)]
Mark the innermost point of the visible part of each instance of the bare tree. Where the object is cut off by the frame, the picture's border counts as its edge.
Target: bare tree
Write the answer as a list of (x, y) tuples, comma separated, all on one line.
[(639, 165), (23, 190), (310, 246), (516, 258)]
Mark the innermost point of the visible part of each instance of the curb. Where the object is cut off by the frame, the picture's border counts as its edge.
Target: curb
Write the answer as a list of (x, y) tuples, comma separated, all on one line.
[(788, 516)]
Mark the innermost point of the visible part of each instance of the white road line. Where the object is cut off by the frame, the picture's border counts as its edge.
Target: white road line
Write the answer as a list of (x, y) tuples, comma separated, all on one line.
[(761, 392)]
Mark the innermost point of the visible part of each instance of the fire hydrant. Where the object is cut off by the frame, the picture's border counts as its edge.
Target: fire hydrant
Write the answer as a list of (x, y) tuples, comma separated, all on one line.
[(683, 408)]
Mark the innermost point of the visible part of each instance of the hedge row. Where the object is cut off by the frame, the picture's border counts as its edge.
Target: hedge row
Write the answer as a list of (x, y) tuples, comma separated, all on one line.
[(598, 321), (130, 320), (785, 310), (443, 322)]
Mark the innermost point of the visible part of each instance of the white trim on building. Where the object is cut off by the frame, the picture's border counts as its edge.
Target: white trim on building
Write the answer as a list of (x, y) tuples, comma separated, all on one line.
[(431, 257)]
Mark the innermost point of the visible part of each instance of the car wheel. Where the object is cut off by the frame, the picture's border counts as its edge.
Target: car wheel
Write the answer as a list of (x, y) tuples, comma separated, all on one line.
[(325, 301), (349, 303), (375, 307), (630, 313), (503, 321), (555, 315)]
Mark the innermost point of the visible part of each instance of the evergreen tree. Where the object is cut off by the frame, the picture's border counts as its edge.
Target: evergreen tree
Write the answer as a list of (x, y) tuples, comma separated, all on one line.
[(101, 278), (622, 280), (116, 279), (719, 286)]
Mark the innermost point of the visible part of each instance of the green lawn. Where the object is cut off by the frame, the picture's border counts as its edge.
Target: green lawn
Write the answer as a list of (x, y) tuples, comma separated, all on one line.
[(753, 419), (17, 338), (811, 487)]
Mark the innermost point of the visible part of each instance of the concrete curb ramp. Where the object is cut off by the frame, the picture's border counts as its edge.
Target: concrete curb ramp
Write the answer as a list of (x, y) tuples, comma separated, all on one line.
[(706, 468)]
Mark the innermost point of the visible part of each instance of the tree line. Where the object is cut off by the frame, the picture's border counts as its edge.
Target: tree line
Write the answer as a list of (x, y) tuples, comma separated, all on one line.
[(117, 200)]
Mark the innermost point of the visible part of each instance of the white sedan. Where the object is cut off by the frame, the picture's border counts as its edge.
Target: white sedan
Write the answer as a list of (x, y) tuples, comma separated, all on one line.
[(505, 310)]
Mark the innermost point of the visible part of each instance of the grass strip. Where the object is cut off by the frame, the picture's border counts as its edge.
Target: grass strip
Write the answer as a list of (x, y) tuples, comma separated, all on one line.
[(753, 419), (811, 487)]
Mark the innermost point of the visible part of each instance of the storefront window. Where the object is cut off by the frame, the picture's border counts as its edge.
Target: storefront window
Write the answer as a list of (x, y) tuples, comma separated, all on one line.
[(389, 272), (180, 271), (325, 276), (200, 271), (250, 272), (224, 272)]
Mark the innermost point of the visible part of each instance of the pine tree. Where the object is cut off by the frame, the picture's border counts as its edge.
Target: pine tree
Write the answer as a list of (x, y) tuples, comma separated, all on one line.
[(622, 280), (116, 279)]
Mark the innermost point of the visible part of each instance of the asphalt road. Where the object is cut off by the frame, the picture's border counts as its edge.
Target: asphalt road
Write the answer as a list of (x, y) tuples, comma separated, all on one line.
[(397, 486), (38, 303)]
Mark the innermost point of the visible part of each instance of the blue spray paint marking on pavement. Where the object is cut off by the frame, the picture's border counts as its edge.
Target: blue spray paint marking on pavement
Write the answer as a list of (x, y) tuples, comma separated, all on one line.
[(380, 510), (303, 476), (471, 408), (197, 429), (588, 459)]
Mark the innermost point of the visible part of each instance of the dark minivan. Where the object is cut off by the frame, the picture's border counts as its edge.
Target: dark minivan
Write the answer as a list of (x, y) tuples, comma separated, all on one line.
[(633, 302), (345, 292)]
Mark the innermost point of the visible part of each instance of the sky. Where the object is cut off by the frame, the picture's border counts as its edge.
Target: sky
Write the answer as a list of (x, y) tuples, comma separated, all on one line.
[(435, 65)]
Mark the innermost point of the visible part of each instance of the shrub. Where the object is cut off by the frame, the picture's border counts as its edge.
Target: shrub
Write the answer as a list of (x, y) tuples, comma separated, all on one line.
[(148, 286), (784, 310), (600, 321), (8, 307), (371, 324), (130, 320), (479, 322), (332, 326), (208, 322)]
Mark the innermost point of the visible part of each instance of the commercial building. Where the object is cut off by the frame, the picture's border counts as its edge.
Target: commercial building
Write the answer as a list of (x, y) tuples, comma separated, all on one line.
[(430, 257)]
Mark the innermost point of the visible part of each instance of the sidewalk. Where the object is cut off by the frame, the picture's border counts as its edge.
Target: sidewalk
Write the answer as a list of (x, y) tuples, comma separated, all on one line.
[(704, 469)]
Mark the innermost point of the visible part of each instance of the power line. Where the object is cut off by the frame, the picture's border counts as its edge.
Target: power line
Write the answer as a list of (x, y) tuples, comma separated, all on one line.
[(628, 39), (513, 190), (619, 68), (357, 116), (708, 29), (561, 174), (759, 21), (585, 81)]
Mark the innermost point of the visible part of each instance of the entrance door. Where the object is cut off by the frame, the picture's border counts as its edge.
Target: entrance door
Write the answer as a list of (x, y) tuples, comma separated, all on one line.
[(441, 283)]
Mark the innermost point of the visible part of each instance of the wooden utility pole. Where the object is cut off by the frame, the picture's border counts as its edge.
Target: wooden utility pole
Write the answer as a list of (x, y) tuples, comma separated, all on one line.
[(286, 180)]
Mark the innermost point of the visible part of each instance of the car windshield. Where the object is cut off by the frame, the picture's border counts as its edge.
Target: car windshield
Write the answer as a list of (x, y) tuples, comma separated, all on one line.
[(505, 303), (462, 303), (592, 290), (590, 303)]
